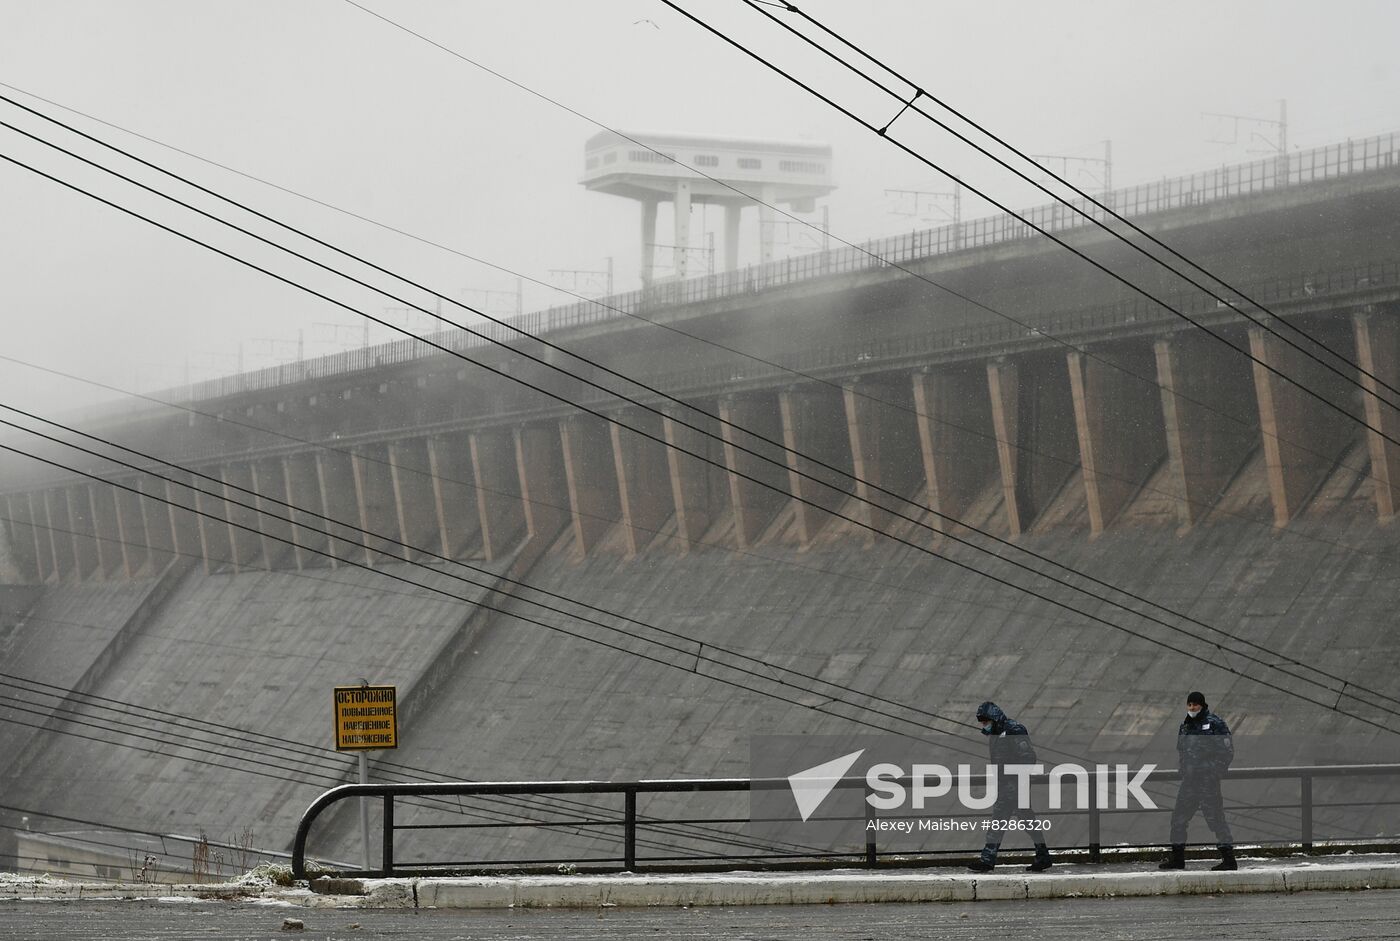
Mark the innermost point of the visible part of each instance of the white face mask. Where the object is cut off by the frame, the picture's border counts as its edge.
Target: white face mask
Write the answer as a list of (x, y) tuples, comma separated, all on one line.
[(1192, 713)]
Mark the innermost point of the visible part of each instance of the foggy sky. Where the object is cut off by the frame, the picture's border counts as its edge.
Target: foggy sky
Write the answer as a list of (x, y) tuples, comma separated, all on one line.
[(322, 98)]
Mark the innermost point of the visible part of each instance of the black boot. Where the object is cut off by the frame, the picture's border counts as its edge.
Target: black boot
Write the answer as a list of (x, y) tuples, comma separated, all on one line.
[(1042, 860), (1227, 860), (986, 861), (1176, 859)]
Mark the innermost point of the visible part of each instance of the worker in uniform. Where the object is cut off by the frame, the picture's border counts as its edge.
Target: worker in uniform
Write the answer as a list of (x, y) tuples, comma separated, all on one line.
[(1008, 744), (1204, 751)]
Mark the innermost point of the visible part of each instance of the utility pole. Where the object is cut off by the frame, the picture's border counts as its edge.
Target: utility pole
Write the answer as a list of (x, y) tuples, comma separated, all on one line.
[(1103, 175), (516, 296), (584, 281), (1277, 146), (932, 199)]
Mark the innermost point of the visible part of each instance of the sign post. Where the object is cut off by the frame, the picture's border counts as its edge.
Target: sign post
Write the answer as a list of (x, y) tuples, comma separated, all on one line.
[(366, 719)]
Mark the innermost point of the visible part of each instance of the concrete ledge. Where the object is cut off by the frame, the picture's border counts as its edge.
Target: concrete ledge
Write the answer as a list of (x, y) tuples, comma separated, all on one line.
[(1076, 885), (852, 886), (59, 890), (997, 888), (1355, 877), (1243, 880), (754, 888)]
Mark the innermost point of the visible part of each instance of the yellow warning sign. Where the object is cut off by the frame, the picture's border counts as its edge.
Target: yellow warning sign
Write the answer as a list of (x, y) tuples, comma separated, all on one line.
[(365, 718)]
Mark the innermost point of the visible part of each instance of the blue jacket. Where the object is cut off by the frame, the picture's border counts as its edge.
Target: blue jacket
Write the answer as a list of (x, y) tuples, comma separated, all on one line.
[(1204, 745), (1008, 742)]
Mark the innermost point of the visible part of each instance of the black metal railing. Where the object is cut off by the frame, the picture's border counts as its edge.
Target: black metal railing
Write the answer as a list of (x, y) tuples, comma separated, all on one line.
[(1197, 189), (630, 823)]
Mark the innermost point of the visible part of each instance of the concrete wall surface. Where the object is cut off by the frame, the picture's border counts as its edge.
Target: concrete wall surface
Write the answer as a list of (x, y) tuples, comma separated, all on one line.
[(256, 654), (893, 622)]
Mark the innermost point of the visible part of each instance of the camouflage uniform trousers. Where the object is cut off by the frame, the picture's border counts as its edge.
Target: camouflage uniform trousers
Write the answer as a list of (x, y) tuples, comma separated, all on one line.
[(1200, 791), (1004, 811)]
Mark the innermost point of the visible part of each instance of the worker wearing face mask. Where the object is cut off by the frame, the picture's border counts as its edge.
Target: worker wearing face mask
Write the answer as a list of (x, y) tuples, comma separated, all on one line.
[(1204, 751), (1008, 744)]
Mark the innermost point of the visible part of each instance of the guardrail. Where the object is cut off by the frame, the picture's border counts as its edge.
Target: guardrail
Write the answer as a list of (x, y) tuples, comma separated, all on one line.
[(1195, 189), (629, 822)]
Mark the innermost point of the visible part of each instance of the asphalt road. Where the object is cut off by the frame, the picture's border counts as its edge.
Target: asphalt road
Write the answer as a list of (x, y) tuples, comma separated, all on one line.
[(1324, 916)]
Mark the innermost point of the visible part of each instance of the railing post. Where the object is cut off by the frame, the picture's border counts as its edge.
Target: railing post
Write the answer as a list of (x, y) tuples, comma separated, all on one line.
[(629, 838), (1306, 803), (870, 851), (388, 849), (1095, 854)]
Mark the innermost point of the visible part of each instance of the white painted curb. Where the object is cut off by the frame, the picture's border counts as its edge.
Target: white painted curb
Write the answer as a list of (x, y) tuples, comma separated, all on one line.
[(750, 888), (840, 887)]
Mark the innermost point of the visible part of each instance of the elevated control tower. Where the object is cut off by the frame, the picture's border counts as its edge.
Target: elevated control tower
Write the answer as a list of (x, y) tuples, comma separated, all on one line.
[(773, 172)]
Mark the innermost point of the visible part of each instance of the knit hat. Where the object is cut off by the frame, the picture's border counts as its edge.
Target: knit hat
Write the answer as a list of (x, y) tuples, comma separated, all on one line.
[(1198, 699)]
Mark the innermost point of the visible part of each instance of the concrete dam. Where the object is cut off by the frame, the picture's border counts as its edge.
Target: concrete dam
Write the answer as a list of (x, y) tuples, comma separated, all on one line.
[(557, 596)]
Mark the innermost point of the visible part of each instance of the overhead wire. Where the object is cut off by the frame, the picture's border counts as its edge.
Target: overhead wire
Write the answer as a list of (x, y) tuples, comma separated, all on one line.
[(24, 523), (702, 173), (245, 733), (699, 653), (621, 311), (718, 647), (611, 418), (724, 648), (681, 830), (359, 544), (921, 92), (219, 520), (699, 656), (317, 769), (858, 523), (1051, 236), (121, 828), (816, 707), (1088, 352)]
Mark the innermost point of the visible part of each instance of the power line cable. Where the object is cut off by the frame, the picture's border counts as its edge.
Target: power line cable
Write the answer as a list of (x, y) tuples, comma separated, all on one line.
[(244, 733), (817, 708), (314, 758), (861, 523), (659, 825), (361, 544), (698, 654), (615, 420), (1046, 233), (868, 695), (119, 828), (392, 591), (875, 257), (408, 549), (913, 105), (937, 419), (383, 764), (178, 740), (318, 761), (238, 736), (707, 176)]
